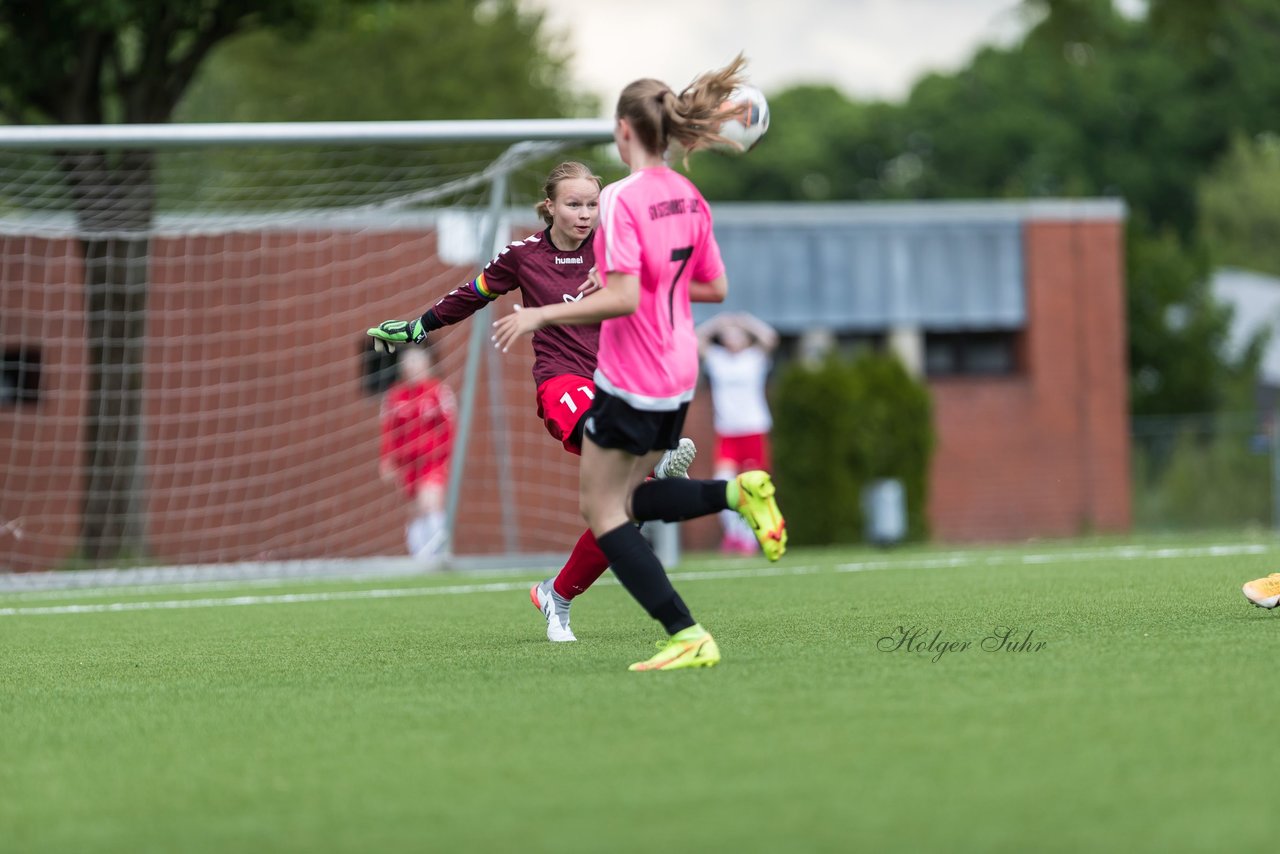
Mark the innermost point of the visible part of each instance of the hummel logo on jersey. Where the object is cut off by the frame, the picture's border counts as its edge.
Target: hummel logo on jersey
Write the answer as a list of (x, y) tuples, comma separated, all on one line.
[(575, 260), (572, 298)]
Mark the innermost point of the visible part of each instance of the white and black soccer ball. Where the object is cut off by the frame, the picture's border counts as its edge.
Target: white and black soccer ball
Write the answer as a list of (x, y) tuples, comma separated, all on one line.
[(750, 121)]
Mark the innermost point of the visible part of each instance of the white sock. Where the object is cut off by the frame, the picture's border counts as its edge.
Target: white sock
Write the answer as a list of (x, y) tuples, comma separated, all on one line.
[(734, 526), (431, 534), (727, 520), (438, 526), (414, 536)]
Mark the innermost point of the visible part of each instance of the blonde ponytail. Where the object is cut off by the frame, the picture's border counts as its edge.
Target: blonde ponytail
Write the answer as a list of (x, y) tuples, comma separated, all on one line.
[(690, 120), (543, 209)]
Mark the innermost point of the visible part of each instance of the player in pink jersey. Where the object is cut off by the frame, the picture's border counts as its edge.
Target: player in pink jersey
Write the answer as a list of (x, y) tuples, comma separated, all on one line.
[(548, 268), (655, 251)]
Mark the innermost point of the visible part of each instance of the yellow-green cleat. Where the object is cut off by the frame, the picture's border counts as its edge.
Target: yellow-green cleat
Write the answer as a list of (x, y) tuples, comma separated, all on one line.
[(757, 505), (691, 647)]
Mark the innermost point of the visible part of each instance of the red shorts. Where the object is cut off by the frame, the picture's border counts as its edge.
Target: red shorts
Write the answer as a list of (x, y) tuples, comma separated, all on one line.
[(745, 453), (420, 476), (562, 402)]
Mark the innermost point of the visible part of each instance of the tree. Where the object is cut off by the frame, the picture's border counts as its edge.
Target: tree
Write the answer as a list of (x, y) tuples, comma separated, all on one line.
[(1088, 103), (132, 61), (421, 60), (425, 59), (1240, 206), (1177, 331)]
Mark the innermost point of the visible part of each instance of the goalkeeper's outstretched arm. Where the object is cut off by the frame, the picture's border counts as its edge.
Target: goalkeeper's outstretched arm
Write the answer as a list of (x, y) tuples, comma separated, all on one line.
[(457, 305), (501, 275)]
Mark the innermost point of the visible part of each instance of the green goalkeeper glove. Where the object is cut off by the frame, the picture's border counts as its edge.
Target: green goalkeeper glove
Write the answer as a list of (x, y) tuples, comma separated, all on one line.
[(390, 334)]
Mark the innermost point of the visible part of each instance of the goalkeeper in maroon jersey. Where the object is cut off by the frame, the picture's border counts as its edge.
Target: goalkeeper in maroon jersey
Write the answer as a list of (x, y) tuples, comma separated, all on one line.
[(548, 268)]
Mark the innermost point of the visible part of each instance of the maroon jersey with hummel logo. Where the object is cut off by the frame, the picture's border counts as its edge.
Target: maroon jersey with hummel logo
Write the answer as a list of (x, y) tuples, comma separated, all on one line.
[(544, 275)]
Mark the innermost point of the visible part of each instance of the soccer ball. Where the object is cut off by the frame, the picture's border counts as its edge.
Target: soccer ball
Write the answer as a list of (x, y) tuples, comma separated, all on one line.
[(751, 120)]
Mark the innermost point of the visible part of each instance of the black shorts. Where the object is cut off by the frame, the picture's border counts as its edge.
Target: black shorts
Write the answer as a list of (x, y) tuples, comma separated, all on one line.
[(616, 424)]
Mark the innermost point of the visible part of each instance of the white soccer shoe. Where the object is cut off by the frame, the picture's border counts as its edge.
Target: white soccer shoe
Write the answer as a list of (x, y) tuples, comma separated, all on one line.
[(676, 462), (555, 608)]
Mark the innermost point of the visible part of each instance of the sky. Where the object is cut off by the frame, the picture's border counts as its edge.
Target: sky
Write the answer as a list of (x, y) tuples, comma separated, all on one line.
[(866, 48)]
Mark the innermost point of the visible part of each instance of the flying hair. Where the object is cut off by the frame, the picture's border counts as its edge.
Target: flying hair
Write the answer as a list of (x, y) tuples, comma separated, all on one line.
[(691, 120), (566, 171)]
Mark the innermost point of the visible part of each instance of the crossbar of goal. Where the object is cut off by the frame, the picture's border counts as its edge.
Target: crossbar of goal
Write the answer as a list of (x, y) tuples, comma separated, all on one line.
[(51, 137)]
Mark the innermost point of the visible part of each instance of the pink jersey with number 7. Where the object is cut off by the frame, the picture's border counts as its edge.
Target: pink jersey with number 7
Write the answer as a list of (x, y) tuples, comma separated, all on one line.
[(654, 224)]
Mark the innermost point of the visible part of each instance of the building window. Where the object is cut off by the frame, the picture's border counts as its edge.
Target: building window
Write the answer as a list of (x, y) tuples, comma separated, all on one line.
[(818, 343), (977, 354), (19, 377)]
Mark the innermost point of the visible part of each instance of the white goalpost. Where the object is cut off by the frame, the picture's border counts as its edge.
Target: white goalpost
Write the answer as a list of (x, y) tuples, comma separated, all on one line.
[(187, 389)]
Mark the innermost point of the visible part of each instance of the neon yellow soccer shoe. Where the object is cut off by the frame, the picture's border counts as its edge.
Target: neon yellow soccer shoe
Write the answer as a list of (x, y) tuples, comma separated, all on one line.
[(1264, 592), (691, 647), (756, 504)]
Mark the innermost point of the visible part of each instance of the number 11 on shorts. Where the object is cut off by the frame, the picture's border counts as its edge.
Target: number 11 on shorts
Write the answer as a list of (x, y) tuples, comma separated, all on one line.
[(567, 397)]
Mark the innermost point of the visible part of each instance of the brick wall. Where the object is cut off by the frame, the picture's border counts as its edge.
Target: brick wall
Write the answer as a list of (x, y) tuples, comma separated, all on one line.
[(259, 440), (40, 445), (1045, 453)]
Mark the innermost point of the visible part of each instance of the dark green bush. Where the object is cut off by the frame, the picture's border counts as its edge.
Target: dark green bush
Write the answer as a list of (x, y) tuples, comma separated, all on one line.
[(840, 425)]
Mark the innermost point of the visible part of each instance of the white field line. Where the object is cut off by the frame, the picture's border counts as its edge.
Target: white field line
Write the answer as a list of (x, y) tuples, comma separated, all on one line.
[(48, 594), (276, 599), (105, 582), (190, 587), (940, 562), (385, 593), (1117, 553), (209, 586)]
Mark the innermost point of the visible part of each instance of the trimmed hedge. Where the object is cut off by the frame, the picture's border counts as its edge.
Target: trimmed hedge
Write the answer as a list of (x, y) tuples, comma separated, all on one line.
[(840, 425)]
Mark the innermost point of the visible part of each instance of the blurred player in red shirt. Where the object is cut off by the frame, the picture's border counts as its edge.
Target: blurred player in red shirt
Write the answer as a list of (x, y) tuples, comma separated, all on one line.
[(417, 437)]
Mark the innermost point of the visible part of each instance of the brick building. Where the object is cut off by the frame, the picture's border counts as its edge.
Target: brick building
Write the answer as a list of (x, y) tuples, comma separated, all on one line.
[(261, 434), (1012, 311)]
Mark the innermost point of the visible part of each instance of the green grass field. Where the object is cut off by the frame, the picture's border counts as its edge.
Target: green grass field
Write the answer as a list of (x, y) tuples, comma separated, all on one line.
[(432, 715)]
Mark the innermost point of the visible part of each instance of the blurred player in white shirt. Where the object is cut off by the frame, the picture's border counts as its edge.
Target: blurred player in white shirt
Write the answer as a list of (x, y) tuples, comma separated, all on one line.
[(737, 351)]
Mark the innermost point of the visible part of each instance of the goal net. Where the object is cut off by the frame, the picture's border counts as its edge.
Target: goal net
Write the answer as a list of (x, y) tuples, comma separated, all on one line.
[(186, 378)]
